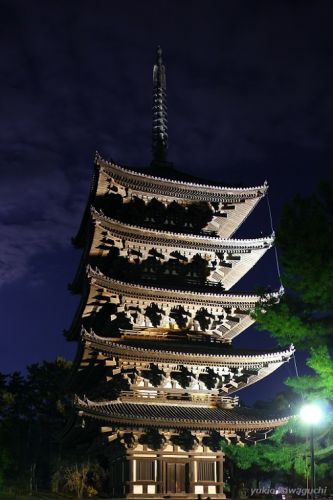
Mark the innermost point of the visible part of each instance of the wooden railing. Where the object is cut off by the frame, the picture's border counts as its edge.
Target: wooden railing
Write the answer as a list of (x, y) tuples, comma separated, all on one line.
[(179, 398)]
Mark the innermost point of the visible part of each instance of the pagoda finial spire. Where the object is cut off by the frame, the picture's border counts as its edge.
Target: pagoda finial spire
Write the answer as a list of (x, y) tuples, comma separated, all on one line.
[(160, 113)]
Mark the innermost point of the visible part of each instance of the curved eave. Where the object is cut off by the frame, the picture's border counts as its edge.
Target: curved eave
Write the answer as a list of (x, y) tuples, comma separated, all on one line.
[(250, 250), (243, 254), (177, 189), (243, 301), (186, 240), (99, 289), (231, 207), (160, 416), (203, 358)]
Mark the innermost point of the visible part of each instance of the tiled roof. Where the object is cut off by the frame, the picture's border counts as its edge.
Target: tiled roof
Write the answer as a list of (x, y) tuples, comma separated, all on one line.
[(188, 239), (178, 416), (196, 350), (170, 179), (242, 300)]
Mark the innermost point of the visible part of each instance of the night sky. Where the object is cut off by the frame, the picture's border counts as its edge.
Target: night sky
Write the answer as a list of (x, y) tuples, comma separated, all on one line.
[(249, 98)]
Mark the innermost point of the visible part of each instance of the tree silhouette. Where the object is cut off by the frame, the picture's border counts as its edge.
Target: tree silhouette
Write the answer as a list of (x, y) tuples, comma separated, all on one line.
[(32, 410), (304, 315)]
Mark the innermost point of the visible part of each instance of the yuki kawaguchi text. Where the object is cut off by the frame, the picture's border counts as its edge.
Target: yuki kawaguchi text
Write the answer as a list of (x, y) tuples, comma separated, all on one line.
[(291, 491)]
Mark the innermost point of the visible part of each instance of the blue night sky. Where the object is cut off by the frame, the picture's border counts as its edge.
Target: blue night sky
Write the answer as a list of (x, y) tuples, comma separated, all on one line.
[(249, 97)]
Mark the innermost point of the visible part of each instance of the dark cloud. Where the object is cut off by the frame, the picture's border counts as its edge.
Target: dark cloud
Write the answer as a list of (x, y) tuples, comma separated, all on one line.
[(243, 80)]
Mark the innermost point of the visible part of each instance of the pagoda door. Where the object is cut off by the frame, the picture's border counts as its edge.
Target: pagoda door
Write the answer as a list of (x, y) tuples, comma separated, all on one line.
[(177, 474)]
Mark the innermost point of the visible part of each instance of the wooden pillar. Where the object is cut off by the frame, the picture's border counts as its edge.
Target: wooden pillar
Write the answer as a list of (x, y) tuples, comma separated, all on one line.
[(131, 474), (191, 475), (219, 466), (160, 476)]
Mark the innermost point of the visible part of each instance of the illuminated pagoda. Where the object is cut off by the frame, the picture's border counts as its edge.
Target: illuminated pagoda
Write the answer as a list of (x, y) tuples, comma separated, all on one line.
[(155, 370)]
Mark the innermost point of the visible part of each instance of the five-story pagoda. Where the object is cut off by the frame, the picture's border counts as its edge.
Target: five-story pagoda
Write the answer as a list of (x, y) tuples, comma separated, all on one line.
[(155, 368)]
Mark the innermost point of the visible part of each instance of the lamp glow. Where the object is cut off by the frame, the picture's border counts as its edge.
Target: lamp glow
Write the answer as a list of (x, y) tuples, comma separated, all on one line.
[(311, 414)]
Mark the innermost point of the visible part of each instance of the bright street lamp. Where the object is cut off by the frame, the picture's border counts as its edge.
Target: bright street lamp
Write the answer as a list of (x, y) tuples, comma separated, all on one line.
[(312, 414)]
